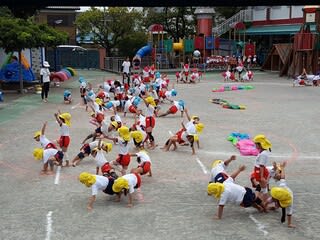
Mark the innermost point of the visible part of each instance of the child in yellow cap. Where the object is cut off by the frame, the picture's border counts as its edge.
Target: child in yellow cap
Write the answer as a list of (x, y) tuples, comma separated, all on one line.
[(126, 185), (96, 183), (230, 192), (64, 121), (281, 196), (39, 136), (260, 172)]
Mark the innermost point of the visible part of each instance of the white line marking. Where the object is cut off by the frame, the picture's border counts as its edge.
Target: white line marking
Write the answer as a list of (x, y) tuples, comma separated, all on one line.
[(272, 155), (73, 107), (260, 226), (56, 179), (203, 167), (49, 225)]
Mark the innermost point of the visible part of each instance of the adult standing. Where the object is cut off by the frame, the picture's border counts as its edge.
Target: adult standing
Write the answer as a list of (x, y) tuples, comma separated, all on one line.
[(45, 81), (126, 65)]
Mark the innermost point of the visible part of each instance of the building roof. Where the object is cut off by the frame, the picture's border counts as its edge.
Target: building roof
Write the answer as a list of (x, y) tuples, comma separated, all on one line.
[(276, 29)]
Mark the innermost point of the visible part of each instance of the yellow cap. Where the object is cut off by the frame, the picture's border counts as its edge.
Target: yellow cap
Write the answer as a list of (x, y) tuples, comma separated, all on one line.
[(151, 101), (87, 179), (38, 153), (106, 146), (264, 142), (215, 163), (37, 134), (194, 117), (66, 117), (215, 189), (99, 101), (282, 195), (114, 124), (119, 184), (137, 136), (124, 132), (199, 127)]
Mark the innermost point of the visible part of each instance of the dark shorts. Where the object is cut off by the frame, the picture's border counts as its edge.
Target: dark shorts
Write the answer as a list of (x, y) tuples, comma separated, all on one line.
[(86, 149), (98, 130), (248, 198), (108, 189), (221, 177)]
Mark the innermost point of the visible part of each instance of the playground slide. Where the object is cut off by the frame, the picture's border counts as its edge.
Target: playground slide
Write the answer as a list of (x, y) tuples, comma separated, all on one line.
[(144, 51)]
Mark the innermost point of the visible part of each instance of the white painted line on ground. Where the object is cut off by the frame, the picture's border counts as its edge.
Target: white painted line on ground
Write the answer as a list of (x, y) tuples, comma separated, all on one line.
[(49, 225), (260, 226), (203, 167), (73, 107), (272, 155), (56, 179)]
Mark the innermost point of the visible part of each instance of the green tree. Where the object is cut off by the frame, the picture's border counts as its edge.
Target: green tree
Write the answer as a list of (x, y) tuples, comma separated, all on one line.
[(17, 34), (109, 26), (178, 22), (129, 45)]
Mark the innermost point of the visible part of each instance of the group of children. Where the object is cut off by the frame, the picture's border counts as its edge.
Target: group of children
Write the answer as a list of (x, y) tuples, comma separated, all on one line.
[(260, 195), (236, 73), (144, 98)]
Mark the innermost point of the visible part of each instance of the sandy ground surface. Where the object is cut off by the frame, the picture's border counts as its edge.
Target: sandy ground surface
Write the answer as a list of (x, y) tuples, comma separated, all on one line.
[(173, 204)]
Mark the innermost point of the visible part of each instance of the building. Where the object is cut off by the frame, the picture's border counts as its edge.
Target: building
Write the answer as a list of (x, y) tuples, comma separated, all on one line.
[(61, 18)]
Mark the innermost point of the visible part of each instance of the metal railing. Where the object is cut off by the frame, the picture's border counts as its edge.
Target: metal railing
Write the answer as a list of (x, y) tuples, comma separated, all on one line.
[(245, 15)]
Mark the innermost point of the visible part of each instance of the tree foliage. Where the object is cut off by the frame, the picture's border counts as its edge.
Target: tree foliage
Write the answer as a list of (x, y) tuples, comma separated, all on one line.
[(109, 26), (17, 34), (178, 22)]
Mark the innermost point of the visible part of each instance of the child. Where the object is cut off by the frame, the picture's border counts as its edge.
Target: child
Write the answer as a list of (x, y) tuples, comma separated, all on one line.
[(218, 173), (144, 162), (49, 157), (150, 120), (97, 183), (260, 173), (87, 148), (40, 137), (126, 185), (101, 161), (83, 91), (176, 105), (282, 196), (64, 121), (187, 134), (186, 71), (123, 158), (67, 97), (229, 192)]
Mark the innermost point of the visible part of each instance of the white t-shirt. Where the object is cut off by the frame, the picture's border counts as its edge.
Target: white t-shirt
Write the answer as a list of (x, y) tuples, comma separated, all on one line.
[(44, 141), (94, 144), (233, 193), (176, 103), (221, 167), (123, 146), (132, 181), (48, 153), (143, 156), (190, 128), (45, 73), (283, 183), (149, 110), (64, 130), (262, 159), (100, 159), (100, 184), (142, 120), (126, 66)]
